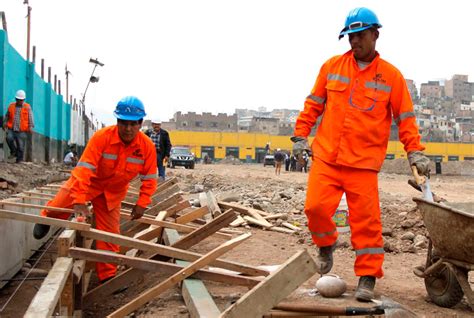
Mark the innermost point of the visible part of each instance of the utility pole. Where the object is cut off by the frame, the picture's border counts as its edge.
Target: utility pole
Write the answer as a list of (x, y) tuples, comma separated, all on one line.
[(28, 30), (67, 85)]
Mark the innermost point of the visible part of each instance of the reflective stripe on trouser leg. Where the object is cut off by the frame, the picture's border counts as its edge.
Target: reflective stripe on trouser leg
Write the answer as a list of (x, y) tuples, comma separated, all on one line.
[(109, 221), (361, 187), (322, 199)]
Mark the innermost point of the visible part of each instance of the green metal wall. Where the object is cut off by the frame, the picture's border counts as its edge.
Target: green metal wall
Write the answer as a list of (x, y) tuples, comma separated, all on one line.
[(52, 115)]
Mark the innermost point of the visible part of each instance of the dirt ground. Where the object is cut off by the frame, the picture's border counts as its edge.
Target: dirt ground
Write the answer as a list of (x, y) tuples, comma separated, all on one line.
[(256, 186)]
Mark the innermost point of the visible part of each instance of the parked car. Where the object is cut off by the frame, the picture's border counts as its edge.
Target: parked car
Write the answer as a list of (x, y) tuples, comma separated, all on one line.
[(181, 156), (269, 160)]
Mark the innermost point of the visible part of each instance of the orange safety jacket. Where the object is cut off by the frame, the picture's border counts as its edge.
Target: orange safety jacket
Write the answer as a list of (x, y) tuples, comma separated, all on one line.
[(108, 165), (357, 107), (24, 116)]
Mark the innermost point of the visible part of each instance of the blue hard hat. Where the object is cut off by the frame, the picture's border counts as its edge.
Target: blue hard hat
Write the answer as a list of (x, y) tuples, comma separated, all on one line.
[(360, 19), (130, 108)]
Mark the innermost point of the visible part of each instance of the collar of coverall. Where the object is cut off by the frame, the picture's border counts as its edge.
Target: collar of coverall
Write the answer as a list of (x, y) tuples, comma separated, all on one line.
[(116, 138), (376, 58)]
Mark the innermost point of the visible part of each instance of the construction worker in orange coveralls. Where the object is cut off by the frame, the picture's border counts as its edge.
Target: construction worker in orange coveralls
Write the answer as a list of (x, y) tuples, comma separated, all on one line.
[(358, 92), (113, 157)]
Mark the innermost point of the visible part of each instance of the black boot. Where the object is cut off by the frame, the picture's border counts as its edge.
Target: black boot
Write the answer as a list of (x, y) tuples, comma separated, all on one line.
[(325, 259), (40, 231), (365, 289)]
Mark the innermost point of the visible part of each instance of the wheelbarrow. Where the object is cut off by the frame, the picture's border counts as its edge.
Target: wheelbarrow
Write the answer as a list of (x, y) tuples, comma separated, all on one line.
[(450, 251)]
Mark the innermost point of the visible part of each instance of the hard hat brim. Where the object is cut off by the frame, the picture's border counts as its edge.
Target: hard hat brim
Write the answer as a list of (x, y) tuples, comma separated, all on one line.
[(344, 32), (127, 117)]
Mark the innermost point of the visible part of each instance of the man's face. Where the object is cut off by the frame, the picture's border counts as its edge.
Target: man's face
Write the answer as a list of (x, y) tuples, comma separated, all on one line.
[(156, 127), (128, 129), (20, 102), (363, 44)]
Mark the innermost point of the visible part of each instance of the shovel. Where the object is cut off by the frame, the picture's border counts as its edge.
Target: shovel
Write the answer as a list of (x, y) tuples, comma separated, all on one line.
[(386, 306)]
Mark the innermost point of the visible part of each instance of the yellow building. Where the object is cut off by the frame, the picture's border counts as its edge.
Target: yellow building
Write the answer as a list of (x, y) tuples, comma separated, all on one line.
[(250, 147)]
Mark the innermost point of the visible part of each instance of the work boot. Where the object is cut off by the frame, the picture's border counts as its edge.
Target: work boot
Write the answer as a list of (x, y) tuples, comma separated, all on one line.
[(325, 259), (40, 231), (365, 288)]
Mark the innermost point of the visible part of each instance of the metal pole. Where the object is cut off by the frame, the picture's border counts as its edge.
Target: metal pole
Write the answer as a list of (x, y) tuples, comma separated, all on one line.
[(42, 68), (28, 33)]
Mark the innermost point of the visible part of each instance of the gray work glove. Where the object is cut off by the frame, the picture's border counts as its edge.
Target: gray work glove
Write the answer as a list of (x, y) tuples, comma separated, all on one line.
[(422, 162), (300, 145)]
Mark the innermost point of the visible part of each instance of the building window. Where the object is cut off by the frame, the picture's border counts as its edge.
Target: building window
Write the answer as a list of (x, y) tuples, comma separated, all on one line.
[(198, 123), (214, 124), (229, 125), (184, 124)]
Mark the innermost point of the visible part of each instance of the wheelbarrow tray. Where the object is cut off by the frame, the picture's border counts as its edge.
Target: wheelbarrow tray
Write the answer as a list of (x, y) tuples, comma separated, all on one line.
[(451, 228)]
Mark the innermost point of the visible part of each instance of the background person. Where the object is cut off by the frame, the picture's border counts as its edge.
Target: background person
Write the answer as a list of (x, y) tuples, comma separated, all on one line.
[(358, 92), (279, 157), (113, 157), (18, 122), (161, 139)]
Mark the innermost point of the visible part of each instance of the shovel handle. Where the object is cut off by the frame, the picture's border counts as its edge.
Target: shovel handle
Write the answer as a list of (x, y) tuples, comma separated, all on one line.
[(419, 179)]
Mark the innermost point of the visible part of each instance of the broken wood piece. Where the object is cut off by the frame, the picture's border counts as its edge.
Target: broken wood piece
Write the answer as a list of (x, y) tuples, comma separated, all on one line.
[(193, 215), (163, 185), (291, 226), (252, 220), (159, 266), (281, 230), (40, 194), (206, 230), (36, 206), (275, 216), (178, 277), (245, 210), (212, 204), (46, 299), (238, 222), (145, 234), (275, 287), (17, 216), (160, 196), (65, 240), (164, 205), (169, 251)]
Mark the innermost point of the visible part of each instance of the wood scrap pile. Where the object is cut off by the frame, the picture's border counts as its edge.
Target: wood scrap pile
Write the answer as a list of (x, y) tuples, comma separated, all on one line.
[(169, 228)]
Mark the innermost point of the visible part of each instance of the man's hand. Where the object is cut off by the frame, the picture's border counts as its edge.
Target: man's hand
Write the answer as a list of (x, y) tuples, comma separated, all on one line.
[(300, 145), (165, 159), (81, 212), (420, 161), (137, 212)]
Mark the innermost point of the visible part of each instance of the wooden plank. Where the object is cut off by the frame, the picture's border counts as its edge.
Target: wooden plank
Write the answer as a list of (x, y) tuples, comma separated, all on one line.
[(45, 300), (166, 184), (40, 194), (275, 216), (275, 287), (159, 266), (206, 230), (252, 220), (5, 214), (163, 205), (212, 204), (198, 300), (65, 240), (281, 230), (145, 236), (178, 227), (193, 215), (291, 226), (35, 206), (238, 222), (169, 251), (160, 196), (178, 207), (178, 277), (245, 210)]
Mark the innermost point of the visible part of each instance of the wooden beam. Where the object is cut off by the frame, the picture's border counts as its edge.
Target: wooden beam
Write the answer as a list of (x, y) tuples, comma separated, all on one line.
[(5, 214), (159, 266), (275, 287), (160, 196), (258, 222), (178, 277), (206, 230), (195, 294), (169, 251), (36, 206), (46, 299), (163, 205), (193, 215), (166, 184)]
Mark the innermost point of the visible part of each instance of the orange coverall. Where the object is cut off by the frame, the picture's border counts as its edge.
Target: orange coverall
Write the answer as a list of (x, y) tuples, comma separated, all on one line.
[(102, 176), (350, 147)]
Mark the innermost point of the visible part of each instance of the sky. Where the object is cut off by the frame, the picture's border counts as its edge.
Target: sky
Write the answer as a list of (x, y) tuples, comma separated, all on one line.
[(219, 55)]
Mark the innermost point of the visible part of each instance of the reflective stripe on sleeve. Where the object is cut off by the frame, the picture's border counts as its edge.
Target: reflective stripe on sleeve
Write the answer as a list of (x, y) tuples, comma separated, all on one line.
[(370, 250), (404, 116), (85, 165), (338, 77), (109, 156), (148, 176), (378, 86), (317, 99), (322, 234), (135, 160)]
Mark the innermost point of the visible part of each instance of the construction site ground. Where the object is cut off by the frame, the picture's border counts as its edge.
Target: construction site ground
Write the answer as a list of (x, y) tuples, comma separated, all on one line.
[(259, 187)]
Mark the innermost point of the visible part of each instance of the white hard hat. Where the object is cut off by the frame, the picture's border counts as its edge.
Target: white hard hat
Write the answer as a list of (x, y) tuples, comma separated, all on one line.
[(156, 121), (20, 94)]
